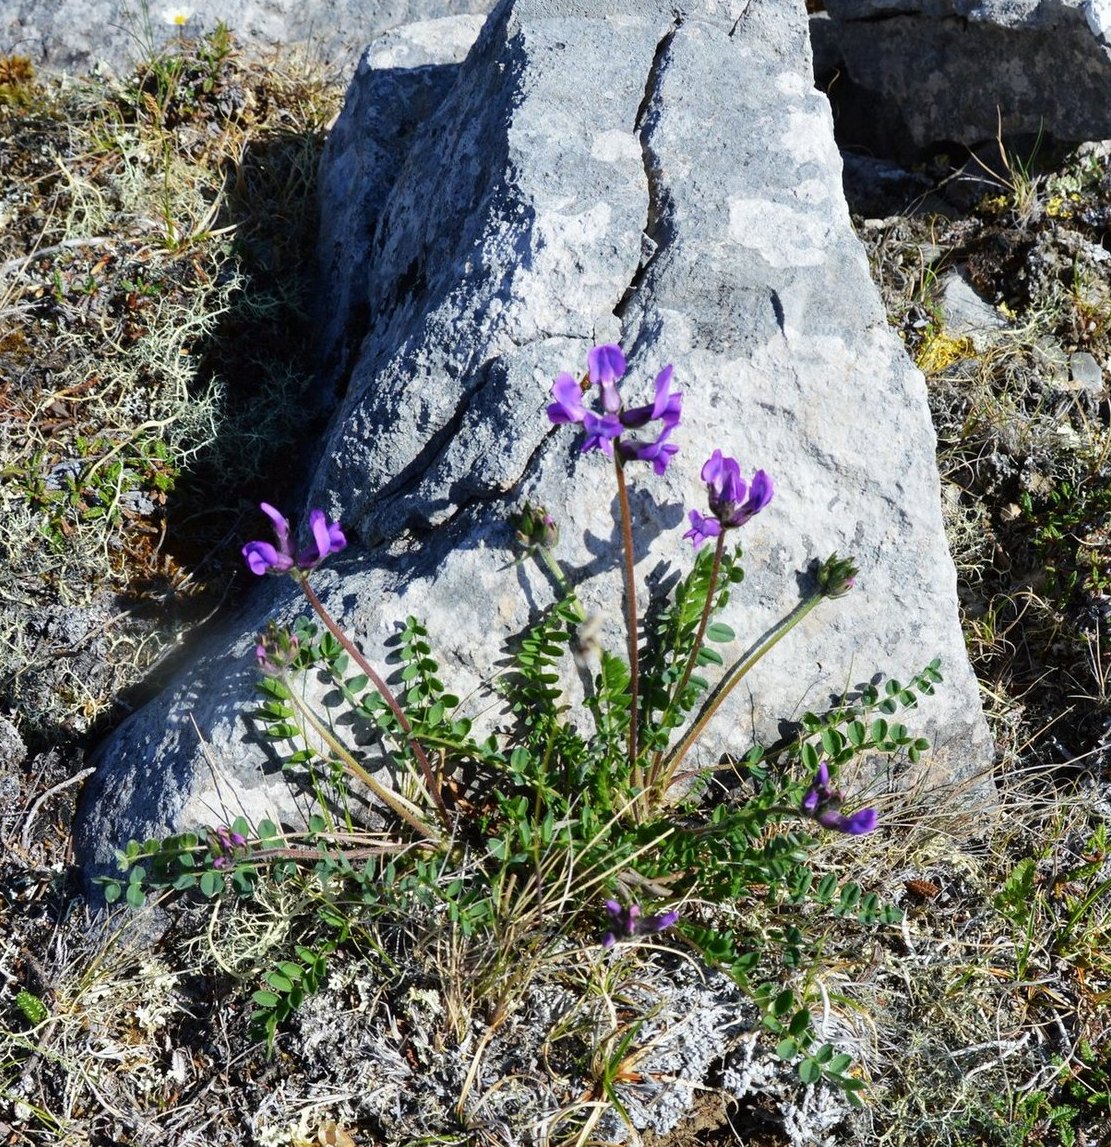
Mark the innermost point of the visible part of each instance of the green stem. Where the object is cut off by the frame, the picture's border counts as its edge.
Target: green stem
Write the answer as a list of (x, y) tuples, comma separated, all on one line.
[(430, 780), (692, 661), (630, 618), (729, 683)]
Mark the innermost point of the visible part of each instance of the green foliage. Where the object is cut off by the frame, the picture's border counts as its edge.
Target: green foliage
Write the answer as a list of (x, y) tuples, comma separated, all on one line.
[(515, 840), (34, 1009), (288, 984), (1069, 523)]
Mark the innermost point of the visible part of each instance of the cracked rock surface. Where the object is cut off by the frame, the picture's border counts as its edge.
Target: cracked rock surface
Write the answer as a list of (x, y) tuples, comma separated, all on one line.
[(590, 173)]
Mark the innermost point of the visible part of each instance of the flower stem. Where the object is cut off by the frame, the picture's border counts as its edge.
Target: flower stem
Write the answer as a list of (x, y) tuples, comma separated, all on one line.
[(636, 775), (729, 683), (692, 661), (384, 691)]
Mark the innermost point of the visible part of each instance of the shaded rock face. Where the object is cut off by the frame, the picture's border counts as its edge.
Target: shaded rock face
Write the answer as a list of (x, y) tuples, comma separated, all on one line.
[(76, 35), (907, 74), (592, 172)]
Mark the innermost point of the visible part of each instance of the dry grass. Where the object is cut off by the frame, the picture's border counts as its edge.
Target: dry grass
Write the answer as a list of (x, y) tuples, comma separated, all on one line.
[(147, 231)]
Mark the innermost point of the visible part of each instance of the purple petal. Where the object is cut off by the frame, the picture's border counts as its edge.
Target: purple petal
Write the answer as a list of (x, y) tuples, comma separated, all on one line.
[(666, 406), (281, 527), (600, 432), (262, 558), (861, 822), (327, 539), (568, 405), (702, 529), (726, 486), (659, 453), (759, 495), (761, 490), (659, 923), (605, 364), (318, 523)]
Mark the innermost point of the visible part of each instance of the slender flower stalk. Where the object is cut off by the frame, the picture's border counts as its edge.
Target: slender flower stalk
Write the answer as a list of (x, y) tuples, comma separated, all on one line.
[(692, 661), (636, 774), (836, 577), (605, 367), (328, 538), (430, 780), (393, 800), (728, 684)]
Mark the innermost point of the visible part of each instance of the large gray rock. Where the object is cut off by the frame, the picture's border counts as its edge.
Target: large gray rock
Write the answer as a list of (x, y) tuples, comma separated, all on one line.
[(906, 74), (596, 172), (76, 35)]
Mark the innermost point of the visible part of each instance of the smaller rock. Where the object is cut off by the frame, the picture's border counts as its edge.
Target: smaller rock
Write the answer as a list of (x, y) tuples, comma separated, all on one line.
[(966, 313), (1086, 372), (13, 752)]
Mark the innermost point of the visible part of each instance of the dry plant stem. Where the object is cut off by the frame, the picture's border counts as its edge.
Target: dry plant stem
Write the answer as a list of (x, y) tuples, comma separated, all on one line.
[(384, 691), (692, 661), (729, 682), (408, 812), (636, 774)]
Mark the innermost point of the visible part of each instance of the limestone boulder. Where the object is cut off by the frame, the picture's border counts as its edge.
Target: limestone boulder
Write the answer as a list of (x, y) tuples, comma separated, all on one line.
[(904, 75), (592, 173)]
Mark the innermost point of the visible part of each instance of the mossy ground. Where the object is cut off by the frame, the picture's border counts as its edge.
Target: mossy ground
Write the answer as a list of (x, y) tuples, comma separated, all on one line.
[(155, 235)]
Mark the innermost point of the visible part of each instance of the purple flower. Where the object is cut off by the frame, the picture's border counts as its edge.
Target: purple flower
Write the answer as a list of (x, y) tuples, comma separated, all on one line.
[(629, 922), (225, 844), (600, 432), (666, 406), (568, 395), (659, 453), (262, 557), (823, 804), (726, 491), (605, 365)]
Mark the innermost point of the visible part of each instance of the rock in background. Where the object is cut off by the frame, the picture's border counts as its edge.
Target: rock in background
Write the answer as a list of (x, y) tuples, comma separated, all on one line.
[(596, 172), (76, 35), (904, 75)]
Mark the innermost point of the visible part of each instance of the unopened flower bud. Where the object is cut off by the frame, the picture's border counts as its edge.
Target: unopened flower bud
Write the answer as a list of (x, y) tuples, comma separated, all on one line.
[(536, 527), (837, 576), (276, 649)]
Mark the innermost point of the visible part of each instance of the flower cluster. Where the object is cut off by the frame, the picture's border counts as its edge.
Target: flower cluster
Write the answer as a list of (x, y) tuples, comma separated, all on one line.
[(225, 845), (837, 576), (729, 506), (628, 921), (823, 804), (276, 650), (605, 365), (263, 558), (536, 528)]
